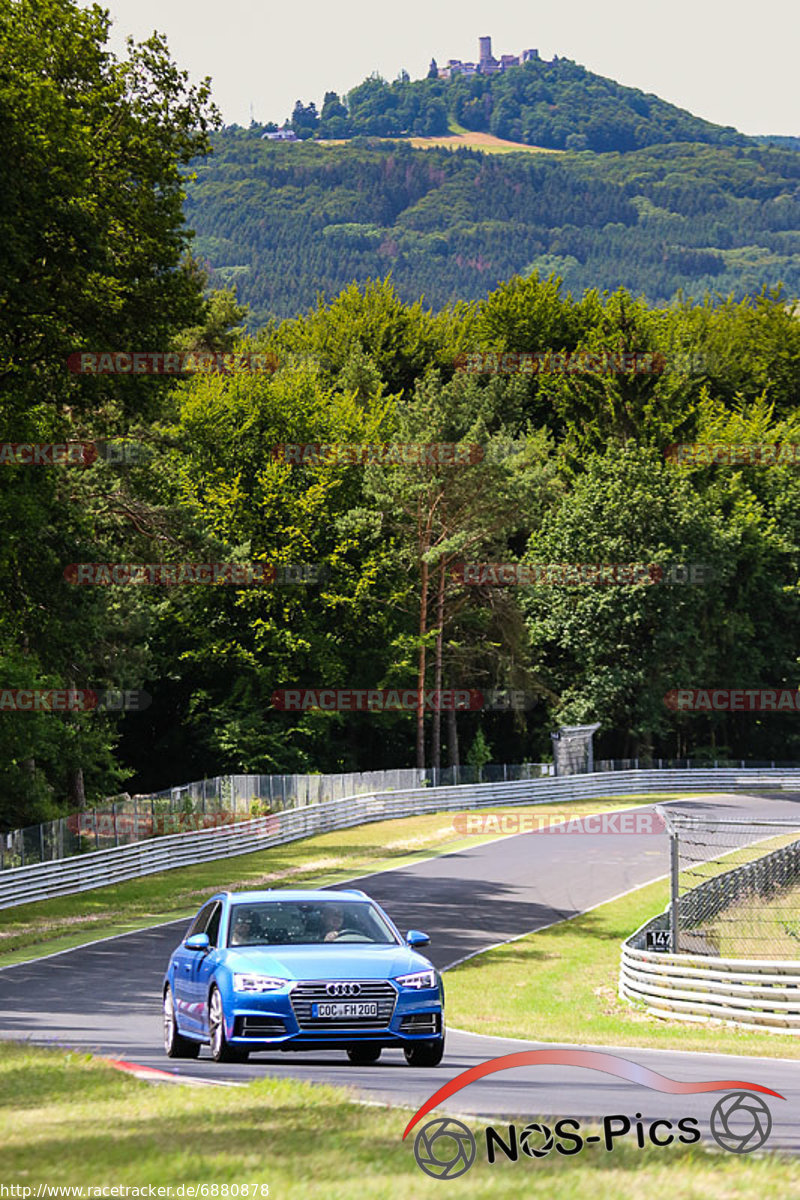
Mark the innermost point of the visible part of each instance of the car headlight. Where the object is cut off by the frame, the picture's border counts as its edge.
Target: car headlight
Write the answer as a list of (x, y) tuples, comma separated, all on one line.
[(257, 983), (420, 979)]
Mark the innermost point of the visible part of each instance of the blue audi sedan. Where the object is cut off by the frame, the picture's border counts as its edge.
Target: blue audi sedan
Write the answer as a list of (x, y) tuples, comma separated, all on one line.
[(301, 970)]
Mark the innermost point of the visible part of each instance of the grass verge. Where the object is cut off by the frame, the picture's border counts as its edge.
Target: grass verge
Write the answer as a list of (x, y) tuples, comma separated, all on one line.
[(560, 985), (46, 926), (756, 927), (71, 1120)]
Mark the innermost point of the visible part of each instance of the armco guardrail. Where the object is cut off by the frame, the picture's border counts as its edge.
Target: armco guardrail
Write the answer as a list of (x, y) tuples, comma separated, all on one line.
[(124, 819), (753, 993), (750, 993), (20, 885)]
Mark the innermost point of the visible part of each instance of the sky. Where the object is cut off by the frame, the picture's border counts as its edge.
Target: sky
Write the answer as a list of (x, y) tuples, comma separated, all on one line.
[(734, 62)]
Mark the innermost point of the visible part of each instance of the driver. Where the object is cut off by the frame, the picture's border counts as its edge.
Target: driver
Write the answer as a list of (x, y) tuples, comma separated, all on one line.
[(332, 920), (243, 930)]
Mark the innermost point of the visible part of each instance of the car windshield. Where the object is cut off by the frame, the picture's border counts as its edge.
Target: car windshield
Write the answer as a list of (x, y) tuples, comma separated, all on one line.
[(302, 923)]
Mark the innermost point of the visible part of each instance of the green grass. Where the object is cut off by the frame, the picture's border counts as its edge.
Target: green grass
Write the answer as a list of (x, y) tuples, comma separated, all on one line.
[(31, 930), (757, 927), (560, 985), (71, 1120)]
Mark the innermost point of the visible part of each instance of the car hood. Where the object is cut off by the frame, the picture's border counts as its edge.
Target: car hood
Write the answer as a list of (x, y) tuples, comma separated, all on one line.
[(326, 962)]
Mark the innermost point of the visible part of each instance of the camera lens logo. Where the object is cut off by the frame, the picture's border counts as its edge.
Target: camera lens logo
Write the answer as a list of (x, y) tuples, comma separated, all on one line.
[(444, 1148), (528, 1140), (740, 1122)]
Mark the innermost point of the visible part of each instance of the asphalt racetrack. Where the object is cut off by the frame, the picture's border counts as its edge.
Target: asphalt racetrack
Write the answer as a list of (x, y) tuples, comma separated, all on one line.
[(106, 997)]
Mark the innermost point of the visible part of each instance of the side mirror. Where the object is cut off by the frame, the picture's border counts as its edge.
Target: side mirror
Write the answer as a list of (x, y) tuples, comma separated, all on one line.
[(198, 941), (415, 938)]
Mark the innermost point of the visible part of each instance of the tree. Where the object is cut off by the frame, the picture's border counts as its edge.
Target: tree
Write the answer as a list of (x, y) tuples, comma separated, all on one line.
[(304, 120), (613, 651), (445, 511), (93, 256)]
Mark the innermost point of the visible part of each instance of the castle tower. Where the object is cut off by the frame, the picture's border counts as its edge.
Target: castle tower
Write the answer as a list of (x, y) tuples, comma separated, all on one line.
[(484, 49)]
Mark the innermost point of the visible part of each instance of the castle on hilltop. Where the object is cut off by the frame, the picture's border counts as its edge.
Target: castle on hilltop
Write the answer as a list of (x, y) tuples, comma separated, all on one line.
[(487, 64)]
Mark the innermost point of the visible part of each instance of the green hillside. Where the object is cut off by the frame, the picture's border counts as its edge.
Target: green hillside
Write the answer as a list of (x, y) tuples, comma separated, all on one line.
[(285, 222), (556, 104)]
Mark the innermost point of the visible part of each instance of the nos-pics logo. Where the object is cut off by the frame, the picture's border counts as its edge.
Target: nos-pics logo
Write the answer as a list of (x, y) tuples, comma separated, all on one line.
[(446, 1148)]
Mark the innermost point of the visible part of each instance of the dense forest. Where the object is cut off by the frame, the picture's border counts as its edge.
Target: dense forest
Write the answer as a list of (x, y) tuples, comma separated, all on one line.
[(559, 105), (286, 222), (576, 465)]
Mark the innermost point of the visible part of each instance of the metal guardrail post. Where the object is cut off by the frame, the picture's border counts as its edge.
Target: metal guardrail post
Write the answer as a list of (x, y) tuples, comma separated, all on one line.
[(674, 885)]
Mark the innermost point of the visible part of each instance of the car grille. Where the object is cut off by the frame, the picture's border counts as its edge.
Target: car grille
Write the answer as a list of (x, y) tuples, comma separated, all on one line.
[(259, 1027), (306, 994)]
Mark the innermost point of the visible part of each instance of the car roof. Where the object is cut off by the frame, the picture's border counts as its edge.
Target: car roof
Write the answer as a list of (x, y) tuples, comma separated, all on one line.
[(307, 896)]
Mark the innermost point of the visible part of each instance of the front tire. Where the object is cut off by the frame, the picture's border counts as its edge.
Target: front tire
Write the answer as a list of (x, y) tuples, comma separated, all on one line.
[(363, 1056), (425, 1054), (175, 1044), (221, 1049)]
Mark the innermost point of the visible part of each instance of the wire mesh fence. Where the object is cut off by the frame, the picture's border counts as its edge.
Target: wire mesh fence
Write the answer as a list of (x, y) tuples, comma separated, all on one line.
[(735, 886), (223, 800), (688, 764)]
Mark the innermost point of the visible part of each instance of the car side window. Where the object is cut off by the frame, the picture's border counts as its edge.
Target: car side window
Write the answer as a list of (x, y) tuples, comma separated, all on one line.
[(212, 929), (201, 920)]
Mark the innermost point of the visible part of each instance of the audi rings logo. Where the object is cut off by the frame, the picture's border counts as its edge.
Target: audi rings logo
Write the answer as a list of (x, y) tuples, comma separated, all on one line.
[(343, 989), (444, 1148), (740, 1122)]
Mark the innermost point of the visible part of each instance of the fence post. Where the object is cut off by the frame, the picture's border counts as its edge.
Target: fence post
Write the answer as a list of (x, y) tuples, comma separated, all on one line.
[(673, 908)]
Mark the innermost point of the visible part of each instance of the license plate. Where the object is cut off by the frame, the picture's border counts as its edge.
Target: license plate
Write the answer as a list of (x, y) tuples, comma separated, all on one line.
[(343, 1012)]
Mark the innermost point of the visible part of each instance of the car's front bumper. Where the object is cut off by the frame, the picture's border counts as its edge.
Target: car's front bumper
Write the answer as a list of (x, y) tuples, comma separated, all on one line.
[(284, 1020)]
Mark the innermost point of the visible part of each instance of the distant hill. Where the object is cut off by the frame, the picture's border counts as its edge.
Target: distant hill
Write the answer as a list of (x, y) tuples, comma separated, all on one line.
[(777, 139), (286, 222), (558, 105)]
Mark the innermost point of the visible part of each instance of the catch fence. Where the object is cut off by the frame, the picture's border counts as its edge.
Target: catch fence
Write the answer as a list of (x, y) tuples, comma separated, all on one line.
[(224, 800)]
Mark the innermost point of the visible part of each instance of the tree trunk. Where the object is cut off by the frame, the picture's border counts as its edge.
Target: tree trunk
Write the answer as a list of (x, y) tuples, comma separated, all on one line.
[(76, 792), (423, 628), (436, 740), (452, 738)]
